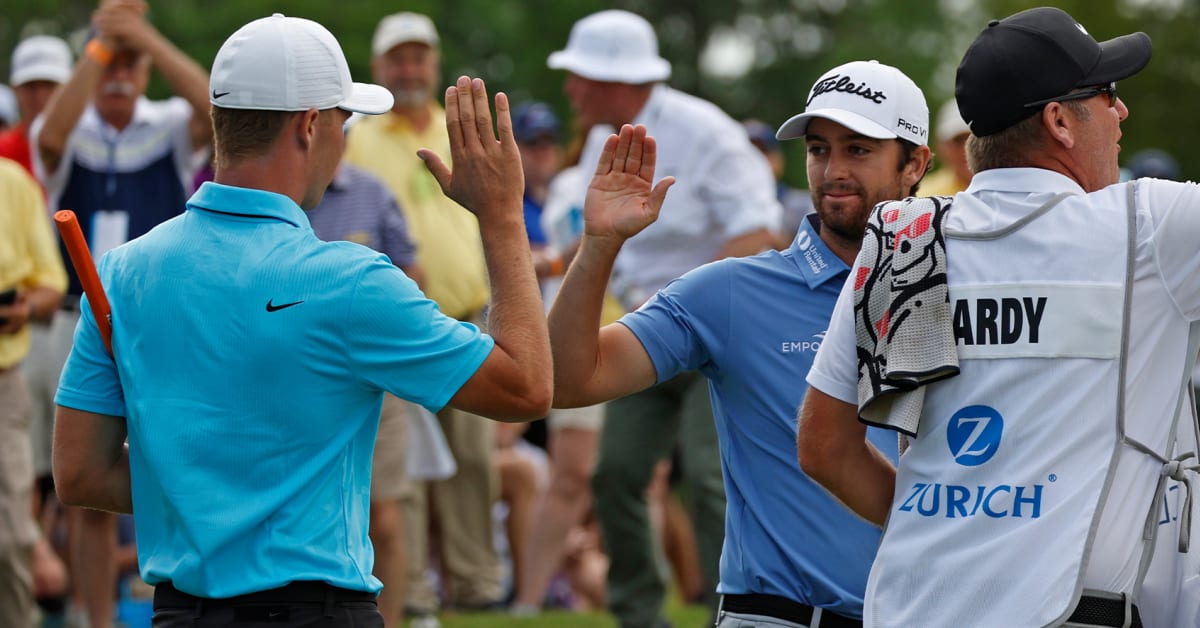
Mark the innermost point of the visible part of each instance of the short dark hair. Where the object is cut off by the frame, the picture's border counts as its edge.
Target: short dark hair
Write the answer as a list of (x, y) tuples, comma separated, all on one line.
[(242, 133), (1012, 147), (906, 153)]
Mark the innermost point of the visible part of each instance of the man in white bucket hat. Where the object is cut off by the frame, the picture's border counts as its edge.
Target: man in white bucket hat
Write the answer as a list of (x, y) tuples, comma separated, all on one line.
[(251, 358), (722, 205)]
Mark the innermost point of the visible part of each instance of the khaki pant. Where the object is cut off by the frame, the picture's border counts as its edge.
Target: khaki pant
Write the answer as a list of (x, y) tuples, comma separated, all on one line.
[(50, 345), (389, 465), (461, 509), (17, 532)]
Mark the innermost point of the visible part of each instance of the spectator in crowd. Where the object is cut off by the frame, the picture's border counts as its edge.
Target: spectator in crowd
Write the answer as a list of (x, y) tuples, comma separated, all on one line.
[(123, 164), (357, 207), (559, 540), (954, 175), (39, 65), (792, 553), (1041, 441), (723, 206), (8, 108), (1154, 163), (32, 281), (536, 129), (277, 435), (796, 203), (522, 468), (406, 60)]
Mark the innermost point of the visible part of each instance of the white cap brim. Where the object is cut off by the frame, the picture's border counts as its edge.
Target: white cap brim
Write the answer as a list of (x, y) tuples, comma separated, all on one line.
[(797, 125), (658, 69), (369, 99), (44, 72)]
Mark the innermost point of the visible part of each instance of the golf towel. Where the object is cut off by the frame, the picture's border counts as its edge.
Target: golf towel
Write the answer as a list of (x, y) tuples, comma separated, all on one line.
[(902, 315)]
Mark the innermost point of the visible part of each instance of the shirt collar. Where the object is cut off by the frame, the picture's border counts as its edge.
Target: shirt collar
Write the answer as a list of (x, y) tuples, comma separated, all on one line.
[(235, 201), (397, 123), (1024, 180), (812, 256), (653, 107), (143, 113)]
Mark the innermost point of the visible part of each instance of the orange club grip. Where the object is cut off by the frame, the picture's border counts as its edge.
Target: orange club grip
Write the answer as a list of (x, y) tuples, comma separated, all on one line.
[(85, 268)]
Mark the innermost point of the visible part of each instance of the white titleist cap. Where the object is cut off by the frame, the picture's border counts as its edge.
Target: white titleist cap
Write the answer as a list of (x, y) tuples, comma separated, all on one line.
[(615, 46), (40, 58), (282, 63), (867, 97), (402, 28)]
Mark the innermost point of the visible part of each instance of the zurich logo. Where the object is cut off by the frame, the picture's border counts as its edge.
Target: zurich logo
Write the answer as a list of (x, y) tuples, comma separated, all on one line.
[(973, 435)]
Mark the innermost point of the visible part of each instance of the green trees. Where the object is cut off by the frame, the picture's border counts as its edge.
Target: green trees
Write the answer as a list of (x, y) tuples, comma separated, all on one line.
[(753, 57)]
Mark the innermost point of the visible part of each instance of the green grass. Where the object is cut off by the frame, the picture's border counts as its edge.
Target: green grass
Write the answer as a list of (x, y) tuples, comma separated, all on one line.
[(682, 616)]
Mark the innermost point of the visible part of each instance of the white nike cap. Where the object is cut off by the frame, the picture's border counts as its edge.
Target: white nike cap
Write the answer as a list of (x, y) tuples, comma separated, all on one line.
[(282, 63), (866, 97)]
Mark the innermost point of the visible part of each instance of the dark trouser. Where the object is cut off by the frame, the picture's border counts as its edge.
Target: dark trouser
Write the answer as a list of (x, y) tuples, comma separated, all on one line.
[(639, 430), (299, 605)]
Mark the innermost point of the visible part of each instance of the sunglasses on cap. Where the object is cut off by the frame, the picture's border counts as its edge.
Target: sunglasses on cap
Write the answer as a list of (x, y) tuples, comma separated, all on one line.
[(1110, 90)]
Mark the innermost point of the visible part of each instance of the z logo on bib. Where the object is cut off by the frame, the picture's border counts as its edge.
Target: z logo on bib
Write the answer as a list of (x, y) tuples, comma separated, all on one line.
[(973, 435)]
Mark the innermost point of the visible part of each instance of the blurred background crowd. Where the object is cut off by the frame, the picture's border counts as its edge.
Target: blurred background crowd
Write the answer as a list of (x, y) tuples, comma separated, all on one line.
[(503, 520)]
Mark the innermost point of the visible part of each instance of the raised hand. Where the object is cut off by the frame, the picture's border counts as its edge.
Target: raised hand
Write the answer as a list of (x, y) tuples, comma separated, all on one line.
[(487, 177), (122, 23), (620, 200)]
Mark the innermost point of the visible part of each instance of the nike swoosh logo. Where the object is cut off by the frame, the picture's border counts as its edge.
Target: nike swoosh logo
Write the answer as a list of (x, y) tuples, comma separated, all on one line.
[(215, 95), (271, 307)]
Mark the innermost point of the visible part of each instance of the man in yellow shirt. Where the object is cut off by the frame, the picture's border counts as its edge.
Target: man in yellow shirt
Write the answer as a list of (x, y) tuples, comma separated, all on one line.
[(32, 281), (953, 176), (406, 59)]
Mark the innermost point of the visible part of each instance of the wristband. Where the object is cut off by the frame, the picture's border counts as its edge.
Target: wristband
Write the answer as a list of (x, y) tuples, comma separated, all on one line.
[(98, 52)]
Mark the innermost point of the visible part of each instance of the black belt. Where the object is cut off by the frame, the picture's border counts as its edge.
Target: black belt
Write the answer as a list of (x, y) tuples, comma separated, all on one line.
[(167, 596), (785, 609), (1104, 611)]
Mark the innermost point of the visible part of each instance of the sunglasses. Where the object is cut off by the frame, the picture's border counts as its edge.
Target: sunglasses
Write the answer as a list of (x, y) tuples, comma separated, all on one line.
[(1110, 90)]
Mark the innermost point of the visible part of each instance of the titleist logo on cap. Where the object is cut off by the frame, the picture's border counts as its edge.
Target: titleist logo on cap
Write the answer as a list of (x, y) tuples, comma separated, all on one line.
[(839, 83)]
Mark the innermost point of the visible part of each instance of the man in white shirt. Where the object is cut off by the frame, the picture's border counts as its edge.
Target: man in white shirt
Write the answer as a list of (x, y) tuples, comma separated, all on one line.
[(1033, 476), (722, 206)]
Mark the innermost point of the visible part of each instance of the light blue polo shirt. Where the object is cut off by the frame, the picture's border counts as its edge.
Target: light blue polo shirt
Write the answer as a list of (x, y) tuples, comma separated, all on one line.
[(752, 326), (251, 364)]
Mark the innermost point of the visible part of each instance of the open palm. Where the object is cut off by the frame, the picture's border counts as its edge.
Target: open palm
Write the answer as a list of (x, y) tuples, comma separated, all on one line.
[(620, 199)]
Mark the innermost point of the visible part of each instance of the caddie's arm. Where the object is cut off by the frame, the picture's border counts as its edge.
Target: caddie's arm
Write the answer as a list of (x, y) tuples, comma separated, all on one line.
[(91, 461), (833, 449), (590, 366), (513, 383)]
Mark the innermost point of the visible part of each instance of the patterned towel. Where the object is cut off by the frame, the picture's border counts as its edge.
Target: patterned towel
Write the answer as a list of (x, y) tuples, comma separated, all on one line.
[(902, 311)]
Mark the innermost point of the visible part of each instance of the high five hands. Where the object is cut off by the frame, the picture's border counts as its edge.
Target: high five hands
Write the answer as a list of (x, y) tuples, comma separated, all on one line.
[(620, 199), (487, 177)]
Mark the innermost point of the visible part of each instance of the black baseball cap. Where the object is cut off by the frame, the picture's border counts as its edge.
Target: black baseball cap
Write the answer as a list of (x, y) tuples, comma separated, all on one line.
[(1035, 55)]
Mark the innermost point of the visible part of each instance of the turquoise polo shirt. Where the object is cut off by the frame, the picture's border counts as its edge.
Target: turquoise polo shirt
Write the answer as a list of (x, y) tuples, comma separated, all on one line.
[(251, 360), (752, 326)]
